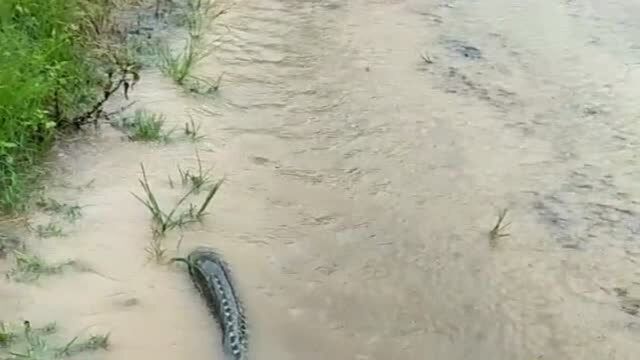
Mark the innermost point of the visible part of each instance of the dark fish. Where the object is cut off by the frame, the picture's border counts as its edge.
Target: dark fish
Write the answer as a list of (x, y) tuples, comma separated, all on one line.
[(213, 279)]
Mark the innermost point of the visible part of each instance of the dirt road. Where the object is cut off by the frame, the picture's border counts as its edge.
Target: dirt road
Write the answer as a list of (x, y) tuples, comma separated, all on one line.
[(367, 148)]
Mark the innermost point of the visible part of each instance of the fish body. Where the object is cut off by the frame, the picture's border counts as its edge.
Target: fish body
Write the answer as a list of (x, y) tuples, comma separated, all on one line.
[(212, 278)]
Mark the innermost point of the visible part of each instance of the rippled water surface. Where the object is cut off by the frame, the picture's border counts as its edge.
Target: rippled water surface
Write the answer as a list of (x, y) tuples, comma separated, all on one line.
[(362, 180)]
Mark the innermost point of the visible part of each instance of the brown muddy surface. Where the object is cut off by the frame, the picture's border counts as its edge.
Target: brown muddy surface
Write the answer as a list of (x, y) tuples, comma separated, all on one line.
[(361, 182)]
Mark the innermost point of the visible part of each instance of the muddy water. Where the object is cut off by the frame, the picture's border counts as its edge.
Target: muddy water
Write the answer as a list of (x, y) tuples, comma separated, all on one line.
[(361, 182)]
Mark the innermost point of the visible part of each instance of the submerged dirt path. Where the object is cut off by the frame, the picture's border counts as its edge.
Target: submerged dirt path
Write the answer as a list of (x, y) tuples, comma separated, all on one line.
[(361, 182)]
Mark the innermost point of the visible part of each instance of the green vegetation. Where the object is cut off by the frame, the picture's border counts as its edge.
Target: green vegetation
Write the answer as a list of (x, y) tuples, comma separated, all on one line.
[(178, 64), (49, 82), (180, 214), (195, 179), (53, 207), (29, 343), (192, 130), (498, 230), (49, 230), (30, 267), (146, 126)]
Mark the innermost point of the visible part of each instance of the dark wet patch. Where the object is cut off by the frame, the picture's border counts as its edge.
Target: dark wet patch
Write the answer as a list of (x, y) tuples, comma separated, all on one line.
[(571, 246), (128, 302), (588, 210), (460, 83), (259, 160), (465, 50), (332, 5), (627, 303)]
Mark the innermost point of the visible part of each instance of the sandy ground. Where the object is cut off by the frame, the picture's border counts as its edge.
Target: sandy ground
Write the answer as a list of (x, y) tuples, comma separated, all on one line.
[(361, 182)]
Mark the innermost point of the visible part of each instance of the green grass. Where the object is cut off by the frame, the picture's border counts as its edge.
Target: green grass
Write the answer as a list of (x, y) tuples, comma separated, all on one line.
[(192, 130), (46, 79), (29, 343), (195, 179), (146, 126), (49, 230), (29, 268), (178, 65), (178, 216), (498, 230), (53, 207), (162, 220), (9, 243)]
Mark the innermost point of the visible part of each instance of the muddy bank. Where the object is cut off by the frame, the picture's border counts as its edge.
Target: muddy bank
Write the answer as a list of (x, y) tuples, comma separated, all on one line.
[(361, 182)]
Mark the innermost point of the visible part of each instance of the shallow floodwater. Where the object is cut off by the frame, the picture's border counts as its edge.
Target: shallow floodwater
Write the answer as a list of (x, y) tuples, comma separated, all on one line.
[(367, 148)]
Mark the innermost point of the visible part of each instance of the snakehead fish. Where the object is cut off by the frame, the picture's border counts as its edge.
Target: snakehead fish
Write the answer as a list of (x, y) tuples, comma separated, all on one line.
[(212, 278)]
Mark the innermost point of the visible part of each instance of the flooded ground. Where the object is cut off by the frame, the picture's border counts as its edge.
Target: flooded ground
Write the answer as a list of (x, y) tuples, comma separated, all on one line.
[(367, 148)]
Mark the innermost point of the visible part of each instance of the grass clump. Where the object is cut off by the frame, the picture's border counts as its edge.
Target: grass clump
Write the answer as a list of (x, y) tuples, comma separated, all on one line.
[(498, 230), (28, 343), (9, 243), (53, 207), (29, 268), (195, 179), (146, 126), (163, 221), (49, 230), (178, 216), (178, 64), (192, 130)]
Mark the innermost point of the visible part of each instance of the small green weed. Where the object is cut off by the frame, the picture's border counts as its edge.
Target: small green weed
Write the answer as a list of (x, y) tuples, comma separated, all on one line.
[(9, 243), (192, 130), (162, 221), (203, 86), (51, 206), (49, 230), (156, 250), (195, 179), (145, 126), (198, 16), (498, 229), (28, 343), (30, 267), (10, 333), (93, 343), (205, 204), (178, 216), (179, 64)]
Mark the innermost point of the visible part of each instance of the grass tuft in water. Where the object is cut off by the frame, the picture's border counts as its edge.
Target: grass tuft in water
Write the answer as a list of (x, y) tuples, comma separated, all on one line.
[(49, 230), (498, 229), (51, 206), (30, 267), (93, 343), (192, 130), (145, 126), (199, 16), (203, 208), (29, 343), (162, 221), (178, 65), (179, 215), (156, 250), (195, 179)]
